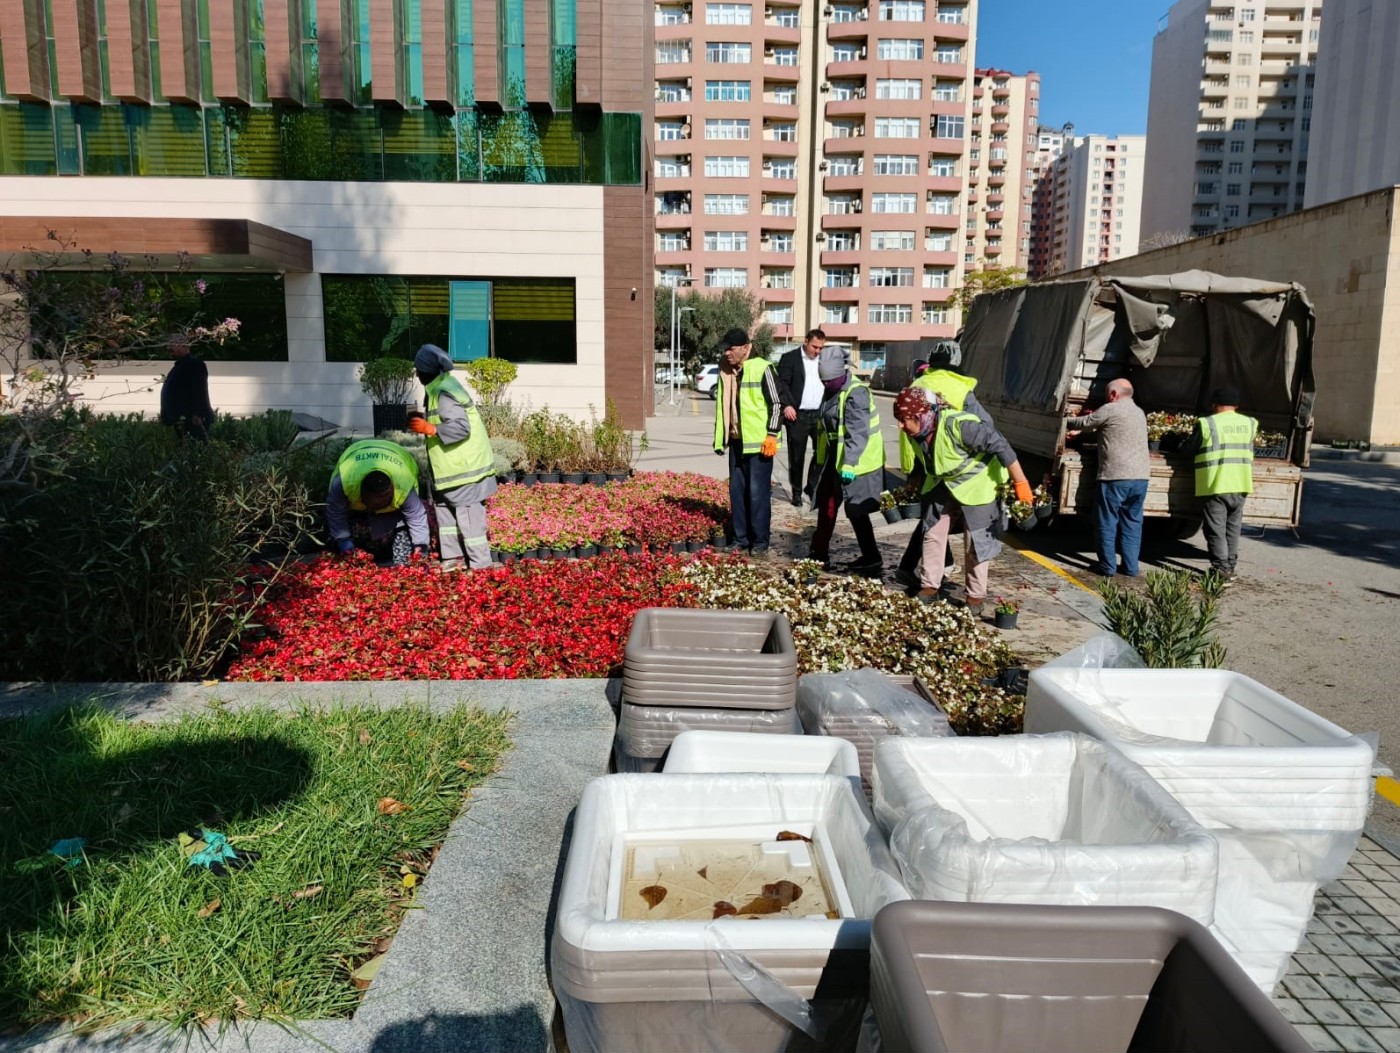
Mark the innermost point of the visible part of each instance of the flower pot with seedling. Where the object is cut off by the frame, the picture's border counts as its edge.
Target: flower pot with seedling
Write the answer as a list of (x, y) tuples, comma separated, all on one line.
[(1005, 613), (388, 382)]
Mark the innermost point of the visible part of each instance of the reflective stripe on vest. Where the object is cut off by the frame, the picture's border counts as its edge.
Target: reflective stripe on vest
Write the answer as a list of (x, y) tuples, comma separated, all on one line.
[(376, 455), (972, 478), (464, 462), (872, 456), (753, 407), (1225, 461), (952, 387)]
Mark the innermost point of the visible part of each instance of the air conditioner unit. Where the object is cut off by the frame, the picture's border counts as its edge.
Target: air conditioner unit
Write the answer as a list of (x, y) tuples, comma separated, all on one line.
[(863, 15), (828, 10), (685, 8), (822, 167), (767, 165), (826, 86), (764, 237), (687, 83), (821, 236), (862, 53), (859, 93), (856, 206)]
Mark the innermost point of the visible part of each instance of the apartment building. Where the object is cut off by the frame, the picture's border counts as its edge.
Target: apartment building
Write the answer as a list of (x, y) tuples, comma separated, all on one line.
[(1092, 202), (1002, 145), (351, 179), (1230, 114), (815, 155), (1049, 144), (1356, 147)]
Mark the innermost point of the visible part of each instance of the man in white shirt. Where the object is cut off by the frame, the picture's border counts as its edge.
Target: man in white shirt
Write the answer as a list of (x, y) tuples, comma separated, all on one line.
[(801, 391)]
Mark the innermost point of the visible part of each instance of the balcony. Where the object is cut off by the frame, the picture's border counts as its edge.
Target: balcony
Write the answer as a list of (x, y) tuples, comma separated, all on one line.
[(995, 214), (773, 71), (776, 259), (772, 294), (776, 34), (779, 147), (1001, 110), (674, 257), (1001, 91), (853, 107), (1001, 127), (996, 179), (843, 184), (842, 257), (993, 249), (857, 30), (849, 294)]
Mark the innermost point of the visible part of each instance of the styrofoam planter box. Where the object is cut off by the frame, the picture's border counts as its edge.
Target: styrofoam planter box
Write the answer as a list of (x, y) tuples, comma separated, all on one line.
[(1039, 819), (732, 751), (716, 984)]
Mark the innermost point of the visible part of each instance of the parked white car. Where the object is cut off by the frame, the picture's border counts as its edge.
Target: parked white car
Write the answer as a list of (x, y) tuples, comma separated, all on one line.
[(707, 381)]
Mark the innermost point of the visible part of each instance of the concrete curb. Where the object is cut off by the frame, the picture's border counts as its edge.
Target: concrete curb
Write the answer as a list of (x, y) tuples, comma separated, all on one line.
[(467, 970)]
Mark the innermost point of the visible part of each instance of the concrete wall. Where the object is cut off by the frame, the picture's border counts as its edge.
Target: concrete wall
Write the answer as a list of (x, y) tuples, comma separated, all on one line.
[(1172, 115), (463, 230), (1356, 124), (1347, 256)]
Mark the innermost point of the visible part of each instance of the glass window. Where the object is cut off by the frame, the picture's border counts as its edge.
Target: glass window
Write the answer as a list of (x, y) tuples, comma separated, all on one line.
[(842, 240), (847, 12), (837, 315), (839, 278), (904, 203), (727, 91), (938, 277), (780, 314), (726, 128), (729, 52), (943, 167), (726, 277), (778, 241), (896, 164), (948, 127), (900, 50), (669, 52), (898, 127), (892, 276), (727, 167), (728, 14), (951, 15), (780, 168), (903, 89), (942, 204), (670, 131), (901, 10), (891, 240), (890, 313), (949, 53), (844, 165), (774, 205), (939, 241), (726, 204), (947, 91), (726, 241)]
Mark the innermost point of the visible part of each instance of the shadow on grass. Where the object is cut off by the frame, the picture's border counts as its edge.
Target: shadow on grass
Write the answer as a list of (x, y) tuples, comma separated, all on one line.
[(65, 775)]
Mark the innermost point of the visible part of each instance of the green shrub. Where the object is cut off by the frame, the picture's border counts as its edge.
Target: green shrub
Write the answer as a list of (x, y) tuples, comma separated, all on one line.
[(1172, 622), (387, 381), (490, 377), (131, 559), (268, 432), (509, 454)]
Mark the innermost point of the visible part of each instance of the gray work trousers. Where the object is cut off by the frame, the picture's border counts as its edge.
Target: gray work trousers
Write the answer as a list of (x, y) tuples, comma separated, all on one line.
[(1223, 515), (462, 527)]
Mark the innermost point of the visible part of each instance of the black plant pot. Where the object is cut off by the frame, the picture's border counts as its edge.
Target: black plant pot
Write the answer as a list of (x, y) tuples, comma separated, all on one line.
[(389, 418), (597, 478), (1044, 511), (892, 515), (719, 541), (509, 557), (677, 547), (603, 550), (549, 477), (696, 546), (1006, 621), (575, 478), (1028, 523), (586, 551), (634, 549), (531, 554), (495, 555), (1154, 445), (561, 553), (529, 478), (909, 511)]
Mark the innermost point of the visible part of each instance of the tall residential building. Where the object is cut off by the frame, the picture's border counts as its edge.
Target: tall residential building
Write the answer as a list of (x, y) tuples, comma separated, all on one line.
[(1049, 144), (352, 179), (813, 153), (1001, 169), (1094, 202), (1356, 147), (1229, 116)]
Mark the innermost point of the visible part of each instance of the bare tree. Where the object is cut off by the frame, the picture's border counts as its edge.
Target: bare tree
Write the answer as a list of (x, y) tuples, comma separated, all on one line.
[(1164, 238)]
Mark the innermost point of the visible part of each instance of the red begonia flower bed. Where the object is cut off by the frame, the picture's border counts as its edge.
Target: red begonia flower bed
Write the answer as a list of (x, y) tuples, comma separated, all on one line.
[(350, 620)]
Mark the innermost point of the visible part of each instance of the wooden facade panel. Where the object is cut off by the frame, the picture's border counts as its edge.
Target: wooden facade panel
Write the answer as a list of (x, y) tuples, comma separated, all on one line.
[(627, 320), (282, 83), (436, 50), (125, 31), (224, 51), (588, 53), (538, 65), (383, 67), (627, 80), (330, 35), (26, 68), (179, 78), (484, 58), (75, 25)]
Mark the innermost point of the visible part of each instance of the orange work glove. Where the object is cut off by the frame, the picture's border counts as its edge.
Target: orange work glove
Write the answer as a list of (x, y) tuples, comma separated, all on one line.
[(770, 446), (421, 426), (1023, 492)]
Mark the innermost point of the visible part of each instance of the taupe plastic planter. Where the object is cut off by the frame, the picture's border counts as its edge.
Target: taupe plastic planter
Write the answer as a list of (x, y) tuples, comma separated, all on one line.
[(1013, 978), (710, 659), (645, 733)]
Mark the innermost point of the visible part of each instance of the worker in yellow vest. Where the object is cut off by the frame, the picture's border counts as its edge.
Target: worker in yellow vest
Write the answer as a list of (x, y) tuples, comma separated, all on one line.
[(965, 462), (748, 417), (1224, 460), (850, 460), (460, 460), (372, 503)]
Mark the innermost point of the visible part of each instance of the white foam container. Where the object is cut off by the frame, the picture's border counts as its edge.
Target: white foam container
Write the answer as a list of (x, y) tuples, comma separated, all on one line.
[(1052, 819), (735, 751)]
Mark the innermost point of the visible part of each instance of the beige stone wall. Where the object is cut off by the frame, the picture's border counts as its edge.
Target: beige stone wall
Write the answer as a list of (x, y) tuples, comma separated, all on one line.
[(1347, 255)]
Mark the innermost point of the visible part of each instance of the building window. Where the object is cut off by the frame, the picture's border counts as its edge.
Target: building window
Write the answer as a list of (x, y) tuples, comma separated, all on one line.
[(899, 127), (789, 19), (726, 204), (726, 241), (672, 91), (892, 277), (780, 314), (844, 165), (947, 127), (942, 204), (776, 279), (785, 56), (847, 13), (938, 277), (518, 319), (839, 278), (670, 131), (1246, 36), (902, 203), (843, 241), (843, 204), (1237, 146), (1232, 189), (726, 128), (938, 241), (901, 89), (726, 277), (900, 50), (780, 168), (896, 164), (672, 241), (778, 241), (947, 91), (836, 315), (727, 91), (785, 95), (671, 15), (732, 53), (889, 313), (672, 51), (774, 205), (845, 52), (783, 133), (728, 14), (891, 240), (954, 16), (670, 168), (935, 314), (901, 10), (727, 167), (1235, 168), (943, 167)]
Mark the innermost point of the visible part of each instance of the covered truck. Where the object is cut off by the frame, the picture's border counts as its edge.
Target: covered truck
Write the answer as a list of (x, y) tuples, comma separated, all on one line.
[(1041, 352)]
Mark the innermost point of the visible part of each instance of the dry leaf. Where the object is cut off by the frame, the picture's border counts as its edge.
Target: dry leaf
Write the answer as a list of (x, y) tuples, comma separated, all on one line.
[(834, 915), (725, 910), (704, 873), (210, 683), (653, 894), (362, 976), (784, 891), (212, 907), (308, 892), (788, 835), (389, 806), (466, 765), (762, 905), (409, 880), (365, 738)]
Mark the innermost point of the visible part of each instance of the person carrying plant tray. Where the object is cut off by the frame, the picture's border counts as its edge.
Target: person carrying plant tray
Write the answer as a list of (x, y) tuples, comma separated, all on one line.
[(748, 416), (965, 462), (460, 461), (373, 504), (851, 462)]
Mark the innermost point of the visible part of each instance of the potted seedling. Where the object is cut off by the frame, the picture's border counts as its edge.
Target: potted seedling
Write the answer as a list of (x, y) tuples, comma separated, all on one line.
[(1005, 613), (1023, 515), (388, 382), (907, 498), (888, 508), (1044, 501)]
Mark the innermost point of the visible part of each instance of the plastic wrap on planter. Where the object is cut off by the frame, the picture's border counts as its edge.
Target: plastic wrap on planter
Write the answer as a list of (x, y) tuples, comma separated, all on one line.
[(1019, 979), (710, 659), (645, 733), (732, 751), (864, 706), (1290, 788), (704, 984), (1039, 819), (1103, 651)]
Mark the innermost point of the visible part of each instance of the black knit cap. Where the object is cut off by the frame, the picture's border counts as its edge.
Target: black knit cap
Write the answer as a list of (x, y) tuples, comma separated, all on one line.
[(1226, 395)]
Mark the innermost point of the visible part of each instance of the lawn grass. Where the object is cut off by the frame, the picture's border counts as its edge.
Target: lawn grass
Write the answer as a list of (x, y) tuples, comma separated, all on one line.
[(119, 936)]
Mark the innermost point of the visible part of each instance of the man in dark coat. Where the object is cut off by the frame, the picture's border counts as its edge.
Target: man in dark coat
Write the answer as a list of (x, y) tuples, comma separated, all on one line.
[(184, 397)]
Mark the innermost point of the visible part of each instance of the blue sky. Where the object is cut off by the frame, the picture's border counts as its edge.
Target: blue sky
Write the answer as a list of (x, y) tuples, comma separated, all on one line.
[(1094, 57)]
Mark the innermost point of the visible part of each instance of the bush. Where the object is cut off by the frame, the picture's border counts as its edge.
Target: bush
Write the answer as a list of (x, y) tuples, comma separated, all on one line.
[(131, 559), (490, 377), (387, 381), (1171, 624), (269, 432)]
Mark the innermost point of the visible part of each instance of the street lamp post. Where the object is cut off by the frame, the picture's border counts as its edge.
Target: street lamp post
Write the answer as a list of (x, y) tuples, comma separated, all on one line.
[(676, 332)]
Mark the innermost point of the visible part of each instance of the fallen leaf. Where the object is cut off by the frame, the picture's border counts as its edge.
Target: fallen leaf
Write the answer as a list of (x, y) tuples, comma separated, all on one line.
[(653, 894), (704, 873), (466, 765), (362, 976), (762, 905), (210, 683), (365, 738), (389, 806), (834, 915), (785, 892), (308, 892), (409, 880), (788, 835), (212, 907), (725, 910)]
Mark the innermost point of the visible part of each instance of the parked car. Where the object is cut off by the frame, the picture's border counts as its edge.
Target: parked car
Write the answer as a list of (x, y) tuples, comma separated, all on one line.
[(667, 374), (707, 381)]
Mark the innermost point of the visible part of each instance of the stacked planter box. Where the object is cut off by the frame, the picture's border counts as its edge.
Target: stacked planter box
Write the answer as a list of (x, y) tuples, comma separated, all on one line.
[(1282, 790), (703, 670)]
